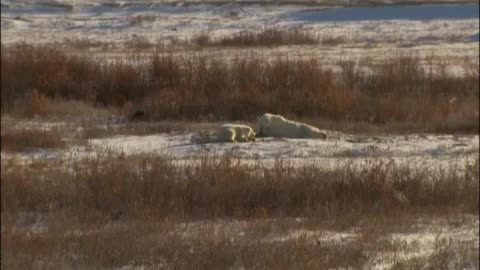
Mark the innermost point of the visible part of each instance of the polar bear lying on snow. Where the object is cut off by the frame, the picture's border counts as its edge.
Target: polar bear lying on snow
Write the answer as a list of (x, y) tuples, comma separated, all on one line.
[(234, 132), (272, 125)]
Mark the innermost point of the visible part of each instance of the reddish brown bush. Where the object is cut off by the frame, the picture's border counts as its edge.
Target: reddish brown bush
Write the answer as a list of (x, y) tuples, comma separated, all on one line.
[(36, 103), (266, 37), (197, 87), (24, 140), (225, 188)]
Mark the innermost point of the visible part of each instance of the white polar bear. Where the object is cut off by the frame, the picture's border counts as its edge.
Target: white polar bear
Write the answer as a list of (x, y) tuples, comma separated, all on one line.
[(234, 132), (272, 125)]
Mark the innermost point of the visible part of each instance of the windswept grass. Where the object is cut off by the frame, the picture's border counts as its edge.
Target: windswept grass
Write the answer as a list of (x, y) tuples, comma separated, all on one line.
[(218, 214), (167, 86), (266, 38), (24, 140), (135, 186), (224, 244), (140, 20)]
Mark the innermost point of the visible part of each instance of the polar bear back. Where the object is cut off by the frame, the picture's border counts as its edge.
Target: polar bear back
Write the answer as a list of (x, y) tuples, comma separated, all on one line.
[(226, 134), (272, 125)]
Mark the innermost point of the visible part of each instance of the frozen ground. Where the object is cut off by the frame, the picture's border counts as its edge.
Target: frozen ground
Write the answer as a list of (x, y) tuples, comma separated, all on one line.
[(120, 22), (384, 246), (184, 142), (365, 37), (418, 150)]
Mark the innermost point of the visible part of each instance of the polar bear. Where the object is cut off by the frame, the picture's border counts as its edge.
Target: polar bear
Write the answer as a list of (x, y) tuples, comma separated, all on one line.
[(272, 125), (235, 132)]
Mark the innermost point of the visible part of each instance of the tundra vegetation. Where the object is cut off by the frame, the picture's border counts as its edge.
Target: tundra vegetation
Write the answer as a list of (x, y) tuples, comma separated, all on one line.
[(149, 211), (397, 91), (115, 211)]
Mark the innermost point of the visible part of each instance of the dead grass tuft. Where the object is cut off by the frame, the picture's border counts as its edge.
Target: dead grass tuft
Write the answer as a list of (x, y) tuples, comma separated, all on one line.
[(140, 20), (138, 43), (37, 104), (333, 40), (267, 37), (167, 86), (25, 140), (224, 188), (142, 211), (82, 43)]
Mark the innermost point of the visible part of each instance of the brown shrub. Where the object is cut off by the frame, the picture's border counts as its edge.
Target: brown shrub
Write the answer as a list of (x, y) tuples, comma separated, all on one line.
[(202, 40), (139, 43), (167, 244), (333, 40), (86, 43), (128, 211), (198, 87), (37, 104), (140, 20), (225, 188), (47, 70), (267, 37), (24, 140)]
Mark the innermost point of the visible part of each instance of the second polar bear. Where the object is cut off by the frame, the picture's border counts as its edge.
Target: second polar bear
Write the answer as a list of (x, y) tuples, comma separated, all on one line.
[(272, 125), (235, 132)]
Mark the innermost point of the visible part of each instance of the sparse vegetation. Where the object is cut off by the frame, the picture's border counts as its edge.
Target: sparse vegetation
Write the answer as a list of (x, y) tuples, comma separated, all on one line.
[(140, 20), (24, 140), (86, 44), (391, 202), (268, 37), (225, 188), (139, 43), (333, 40), (217, 213), (398, 90)]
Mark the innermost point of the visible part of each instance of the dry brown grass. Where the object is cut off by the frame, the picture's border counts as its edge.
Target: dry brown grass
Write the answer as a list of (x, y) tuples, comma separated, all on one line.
[(140, 20), (47, 70), (137, 43), (207, 249), (83, 43), (333, 40), (36, 104), (145, 128), (131, 211), (166, 86), (135, 186), (267, 38), (215, 244), (24, 140)]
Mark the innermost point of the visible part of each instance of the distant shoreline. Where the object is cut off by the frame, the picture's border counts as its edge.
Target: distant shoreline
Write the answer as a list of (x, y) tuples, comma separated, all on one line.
[(318, 3)]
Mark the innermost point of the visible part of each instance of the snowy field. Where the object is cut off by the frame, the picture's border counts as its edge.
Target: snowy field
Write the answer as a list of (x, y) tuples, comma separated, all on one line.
[(387, 245), (415, 150), (438, 26), (366, 32), (349, 29)]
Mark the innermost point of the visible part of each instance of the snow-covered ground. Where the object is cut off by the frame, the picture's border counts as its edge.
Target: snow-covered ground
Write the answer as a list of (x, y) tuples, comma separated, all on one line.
[(432, 151), (359, 33), (416, 150), (116, 22), (337, 145)]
